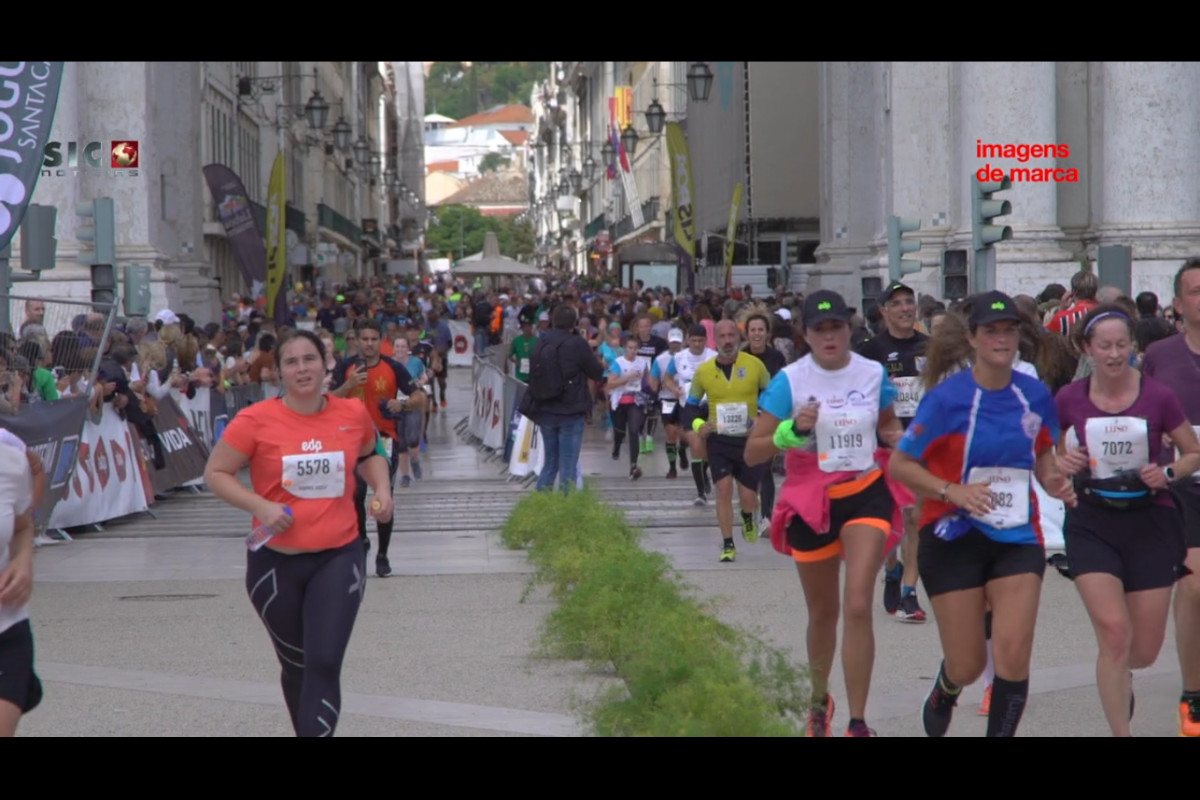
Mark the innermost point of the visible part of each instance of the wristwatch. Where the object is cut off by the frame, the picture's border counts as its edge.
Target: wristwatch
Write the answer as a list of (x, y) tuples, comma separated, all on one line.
[(1170, 473), (802, 434)]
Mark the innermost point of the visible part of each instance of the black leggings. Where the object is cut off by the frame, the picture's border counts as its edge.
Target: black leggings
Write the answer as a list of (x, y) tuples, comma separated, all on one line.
[(308, 603), (360, 503), (630, 418), (766, 491)]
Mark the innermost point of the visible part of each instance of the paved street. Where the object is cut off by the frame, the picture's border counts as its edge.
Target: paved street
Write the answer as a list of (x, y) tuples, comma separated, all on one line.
[(144, 629)]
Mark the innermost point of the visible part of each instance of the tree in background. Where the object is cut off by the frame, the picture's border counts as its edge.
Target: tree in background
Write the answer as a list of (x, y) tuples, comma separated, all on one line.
[(457, 90), (492, 162), (459, 230)]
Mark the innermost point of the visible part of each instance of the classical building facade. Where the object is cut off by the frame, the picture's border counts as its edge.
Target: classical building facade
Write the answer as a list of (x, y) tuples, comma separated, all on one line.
[(185, 115), (826, 152)]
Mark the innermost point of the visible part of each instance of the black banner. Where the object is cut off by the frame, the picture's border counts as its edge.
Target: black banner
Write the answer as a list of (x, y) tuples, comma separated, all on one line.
[(184, 454), (51, 430), (26, 115), (241, 229)]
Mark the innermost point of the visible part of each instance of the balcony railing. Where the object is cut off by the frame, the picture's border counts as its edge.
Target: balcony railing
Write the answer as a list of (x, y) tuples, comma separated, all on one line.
[(649, 214), (331, 220)]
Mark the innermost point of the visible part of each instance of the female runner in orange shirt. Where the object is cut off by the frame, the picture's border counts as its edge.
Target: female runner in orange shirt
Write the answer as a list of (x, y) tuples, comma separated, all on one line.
[(303, 449)]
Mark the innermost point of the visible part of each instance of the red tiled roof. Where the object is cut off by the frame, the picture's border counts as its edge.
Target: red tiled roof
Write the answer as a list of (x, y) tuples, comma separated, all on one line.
[(502, 115), (516, 138), (507, 188), (442, 166)]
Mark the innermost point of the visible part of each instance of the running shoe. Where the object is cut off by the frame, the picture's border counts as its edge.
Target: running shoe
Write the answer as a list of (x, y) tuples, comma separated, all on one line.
[(635, 473), (891, 589), (728, 554), (749, 530), (819, 719), (383, 567), (1189, 717), (910, 609), (444, 404), (616, 454), (764, 527), (938, 709), (985, 705), (672, 474), (700, 500), (858, 729), (649, 446), (416, 470), (405, 482)]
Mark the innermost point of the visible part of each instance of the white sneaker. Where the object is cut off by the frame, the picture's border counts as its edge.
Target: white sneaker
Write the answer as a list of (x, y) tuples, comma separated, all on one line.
[(764, 527)]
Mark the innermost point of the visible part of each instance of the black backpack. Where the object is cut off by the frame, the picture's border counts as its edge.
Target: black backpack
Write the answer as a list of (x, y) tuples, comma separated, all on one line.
[(546, 379)]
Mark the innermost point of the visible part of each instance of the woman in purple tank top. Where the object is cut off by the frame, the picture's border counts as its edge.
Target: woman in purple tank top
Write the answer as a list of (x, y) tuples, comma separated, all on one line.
[(1125, 540)]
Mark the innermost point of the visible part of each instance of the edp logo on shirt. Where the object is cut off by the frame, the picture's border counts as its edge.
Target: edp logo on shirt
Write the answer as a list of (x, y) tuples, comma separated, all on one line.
[(312, 446)]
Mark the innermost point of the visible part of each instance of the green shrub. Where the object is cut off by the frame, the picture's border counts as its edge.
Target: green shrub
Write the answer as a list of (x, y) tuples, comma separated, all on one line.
[(684, 672)]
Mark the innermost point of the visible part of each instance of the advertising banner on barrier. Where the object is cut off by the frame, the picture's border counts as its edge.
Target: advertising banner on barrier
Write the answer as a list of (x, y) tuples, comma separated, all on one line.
[(52, 431), (107, 482), (186, 456), (462, 350), (487, 415)]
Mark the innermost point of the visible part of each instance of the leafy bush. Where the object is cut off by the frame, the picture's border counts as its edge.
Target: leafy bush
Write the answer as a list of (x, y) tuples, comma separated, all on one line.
[(620, 607)]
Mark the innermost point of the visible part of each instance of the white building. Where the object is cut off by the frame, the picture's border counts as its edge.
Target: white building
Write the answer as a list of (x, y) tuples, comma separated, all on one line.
[(185, 115)]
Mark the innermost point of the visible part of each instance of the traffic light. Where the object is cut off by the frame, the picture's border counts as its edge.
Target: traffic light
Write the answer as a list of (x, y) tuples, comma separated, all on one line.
[(38, 245), (104, 287), (898, 266), (97, 232), (137, 291), (984, 209)]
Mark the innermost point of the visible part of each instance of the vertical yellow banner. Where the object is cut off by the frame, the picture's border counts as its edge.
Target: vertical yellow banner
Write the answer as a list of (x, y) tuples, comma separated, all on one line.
[(684, 218), (276, 238), (624, 97), (731, 231)]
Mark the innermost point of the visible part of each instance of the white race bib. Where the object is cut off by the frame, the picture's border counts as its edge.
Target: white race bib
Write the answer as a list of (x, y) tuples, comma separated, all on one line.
[(1010, 495), (908, 396), (1116, 444), (733, 419), (668, 406), (845, 439), (315, 476), (523, 367)]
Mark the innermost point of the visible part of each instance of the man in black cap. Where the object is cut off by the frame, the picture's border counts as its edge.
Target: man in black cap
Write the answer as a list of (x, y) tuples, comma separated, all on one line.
[(900, 347)]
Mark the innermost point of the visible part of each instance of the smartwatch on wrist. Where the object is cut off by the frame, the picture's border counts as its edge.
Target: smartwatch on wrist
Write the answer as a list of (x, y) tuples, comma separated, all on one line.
[(1170, 473)]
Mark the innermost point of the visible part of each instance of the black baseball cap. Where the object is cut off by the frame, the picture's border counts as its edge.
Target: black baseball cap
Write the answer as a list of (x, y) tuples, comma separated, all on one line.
[(892, 288), (823, 305), (992, 307)]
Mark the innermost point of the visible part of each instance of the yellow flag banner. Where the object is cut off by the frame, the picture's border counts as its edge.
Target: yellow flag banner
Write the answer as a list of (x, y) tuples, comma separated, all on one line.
[(277, 241), (731, 231), (624, 95), (681, 185)]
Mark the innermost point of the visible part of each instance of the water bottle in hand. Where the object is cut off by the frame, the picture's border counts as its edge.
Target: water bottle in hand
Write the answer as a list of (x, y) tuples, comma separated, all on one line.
[(262, 534)]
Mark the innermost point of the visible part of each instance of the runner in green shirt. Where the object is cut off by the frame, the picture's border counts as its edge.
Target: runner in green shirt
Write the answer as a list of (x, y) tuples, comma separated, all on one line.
[(522, 350)]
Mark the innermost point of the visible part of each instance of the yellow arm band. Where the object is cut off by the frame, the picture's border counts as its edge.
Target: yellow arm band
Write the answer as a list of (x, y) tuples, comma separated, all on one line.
[(697, 424)]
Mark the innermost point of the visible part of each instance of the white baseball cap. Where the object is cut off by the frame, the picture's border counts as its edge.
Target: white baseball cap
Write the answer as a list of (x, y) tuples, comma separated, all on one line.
[(675, 335), (783, 313), (166, 317)]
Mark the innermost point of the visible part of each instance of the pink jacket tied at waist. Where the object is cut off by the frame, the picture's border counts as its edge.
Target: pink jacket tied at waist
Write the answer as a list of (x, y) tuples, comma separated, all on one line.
[(805, 492)]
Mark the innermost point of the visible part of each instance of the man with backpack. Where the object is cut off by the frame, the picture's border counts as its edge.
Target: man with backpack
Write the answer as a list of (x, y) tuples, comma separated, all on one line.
[(557, 398)]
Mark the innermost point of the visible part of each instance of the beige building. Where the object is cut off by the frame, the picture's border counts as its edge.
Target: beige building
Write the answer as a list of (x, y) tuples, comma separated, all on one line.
[(186, 115)]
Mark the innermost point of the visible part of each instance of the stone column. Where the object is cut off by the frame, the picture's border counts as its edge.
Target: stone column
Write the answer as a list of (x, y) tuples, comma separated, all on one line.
[(1150, 166), (1016, 103), (850, 107)]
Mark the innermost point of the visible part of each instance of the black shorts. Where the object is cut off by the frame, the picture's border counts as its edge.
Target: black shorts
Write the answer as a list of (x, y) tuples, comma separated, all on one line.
[(971, 560), (873, 505), (1144, 547), (672, 417), (19, 684), (1188, 499), (689, 413), (727, 456)]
